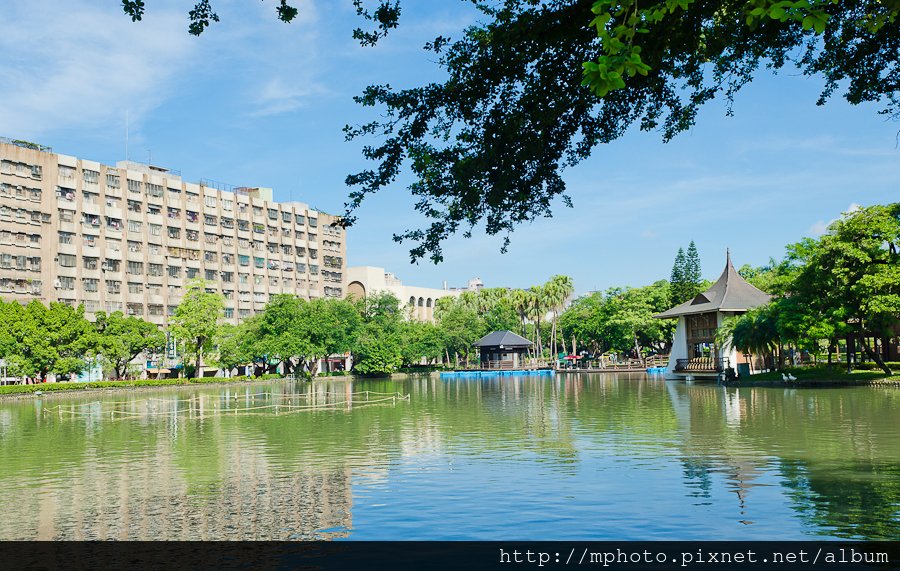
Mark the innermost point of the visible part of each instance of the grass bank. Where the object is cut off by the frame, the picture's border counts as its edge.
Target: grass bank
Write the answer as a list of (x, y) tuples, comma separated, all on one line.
[(13, 390), (821, 376)]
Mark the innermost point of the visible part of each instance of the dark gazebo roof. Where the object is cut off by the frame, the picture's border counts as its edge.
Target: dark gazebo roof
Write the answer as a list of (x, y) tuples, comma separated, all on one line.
[(502, 338), (730, 293)]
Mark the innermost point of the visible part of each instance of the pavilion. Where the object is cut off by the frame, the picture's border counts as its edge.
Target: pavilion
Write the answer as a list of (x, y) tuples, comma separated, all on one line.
[(694, 350), (502, 350)]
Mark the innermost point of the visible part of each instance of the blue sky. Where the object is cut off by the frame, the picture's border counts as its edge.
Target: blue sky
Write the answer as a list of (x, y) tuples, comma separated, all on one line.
[(257, 102)]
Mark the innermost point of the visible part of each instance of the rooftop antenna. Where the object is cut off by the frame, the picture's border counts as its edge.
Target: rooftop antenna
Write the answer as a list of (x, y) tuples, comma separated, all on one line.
[(149, 157)]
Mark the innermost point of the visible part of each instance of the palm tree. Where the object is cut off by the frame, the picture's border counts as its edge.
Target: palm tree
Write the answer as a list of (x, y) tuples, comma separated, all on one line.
[(559, 289), (539, 305), (519, 299), (755, 332)]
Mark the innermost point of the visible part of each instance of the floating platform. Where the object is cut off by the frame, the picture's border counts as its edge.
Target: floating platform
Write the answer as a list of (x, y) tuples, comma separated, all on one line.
[(656, 370), (481, 373)]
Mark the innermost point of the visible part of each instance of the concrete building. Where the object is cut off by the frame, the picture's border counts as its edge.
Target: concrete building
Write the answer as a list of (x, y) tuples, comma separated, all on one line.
[(363, 280), (129, 238)]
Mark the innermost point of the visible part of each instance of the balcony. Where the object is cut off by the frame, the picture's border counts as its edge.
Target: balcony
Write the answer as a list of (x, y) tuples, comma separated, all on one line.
[(701, 365)]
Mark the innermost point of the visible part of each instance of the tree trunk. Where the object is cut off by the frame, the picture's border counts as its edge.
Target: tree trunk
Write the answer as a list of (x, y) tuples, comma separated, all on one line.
[(874, 355), (849, 352)]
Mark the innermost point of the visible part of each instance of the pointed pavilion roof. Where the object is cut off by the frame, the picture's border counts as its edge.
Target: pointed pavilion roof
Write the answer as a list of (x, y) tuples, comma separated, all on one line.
[(502, 338), (730, 293)]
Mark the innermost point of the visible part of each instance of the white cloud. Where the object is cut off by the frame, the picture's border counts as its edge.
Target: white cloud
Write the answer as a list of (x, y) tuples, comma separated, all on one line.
[(821, 227), (74, 64)]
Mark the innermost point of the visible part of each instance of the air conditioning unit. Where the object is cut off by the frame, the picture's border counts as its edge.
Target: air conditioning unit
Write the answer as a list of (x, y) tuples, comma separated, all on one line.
[(57, 284)]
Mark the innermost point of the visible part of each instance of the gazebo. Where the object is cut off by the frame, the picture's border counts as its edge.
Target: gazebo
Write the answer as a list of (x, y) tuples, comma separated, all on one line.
[(502, 350), (694, 350)]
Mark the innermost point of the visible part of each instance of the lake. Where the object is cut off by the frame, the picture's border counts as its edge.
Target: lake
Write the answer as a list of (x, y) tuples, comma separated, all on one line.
[(571, 457)]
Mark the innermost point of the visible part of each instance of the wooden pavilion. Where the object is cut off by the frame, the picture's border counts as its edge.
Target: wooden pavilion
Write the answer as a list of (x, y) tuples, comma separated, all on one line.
[(502, 350), (694, 349)]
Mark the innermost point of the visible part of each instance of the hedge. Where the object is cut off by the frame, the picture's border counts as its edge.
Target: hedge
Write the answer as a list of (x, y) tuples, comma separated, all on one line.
[(74, 386)]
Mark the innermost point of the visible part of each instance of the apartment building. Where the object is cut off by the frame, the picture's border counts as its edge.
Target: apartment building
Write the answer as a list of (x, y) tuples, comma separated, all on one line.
[(130, 237)]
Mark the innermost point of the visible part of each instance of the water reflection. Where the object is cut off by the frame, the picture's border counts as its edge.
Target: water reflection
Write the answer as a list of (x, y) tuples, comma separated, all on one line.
[(576, 456)]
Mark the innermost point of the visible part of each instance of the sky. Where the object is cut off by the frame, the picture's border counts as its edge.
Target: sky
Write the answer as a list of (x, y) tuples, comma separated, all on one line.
[(256, 102)]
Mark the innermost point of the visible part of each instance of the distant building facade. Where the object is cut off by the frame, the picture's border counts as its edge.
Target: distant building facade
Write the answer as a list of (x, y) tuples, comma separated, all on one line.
[(129, 238), (419, 301)]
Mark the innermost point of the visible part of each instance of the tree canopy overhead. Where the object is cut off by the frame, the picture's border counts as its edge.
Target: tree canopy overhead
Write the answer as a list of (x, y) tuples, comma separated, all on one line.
[(536, 85)]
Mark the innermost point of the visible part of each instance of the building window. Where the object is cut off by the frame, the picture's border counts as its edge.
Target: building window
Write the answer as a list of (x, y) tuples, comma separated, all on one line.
[(135, 226), (135, 308), (154, 190), (135, 287), (210, 275), (155, 229), (259, 262), (210, 256), (91, 177), (209, 201), (154, 309), (134, 185), (154, 269), (243, 279), (243, 260), (69, 216), (67, 260), (192, 216), (210, 220), (227, 205), (114, 224), (66, 172), (135, 268), (112, 180), (91, 284), (192, 235), (113, 286), (227, 277), (193, 273), (228, 259), (174, 271), (66, 237), (112, 265), (134, 246), (91, 263), (66, 283)]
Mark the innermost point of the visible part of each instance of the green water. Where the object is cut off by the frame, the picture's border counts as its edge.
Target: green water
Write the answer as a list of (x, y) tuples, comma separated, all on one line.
[(571, 457)]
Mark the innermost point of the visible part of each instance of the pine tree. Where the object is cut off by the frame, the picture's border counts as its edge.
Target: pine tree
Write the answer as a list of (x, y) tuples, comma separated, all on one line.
[(692, 273), (677, 279)]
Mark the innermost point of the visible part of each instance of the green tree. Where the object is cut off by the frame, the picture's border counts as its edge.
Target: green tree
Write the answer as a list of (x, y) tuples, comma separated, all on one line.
[(677, 278), (41, 340), (851, 275), (233, 344), (121, 339), (693, 276), (421, 339), (195, 322)]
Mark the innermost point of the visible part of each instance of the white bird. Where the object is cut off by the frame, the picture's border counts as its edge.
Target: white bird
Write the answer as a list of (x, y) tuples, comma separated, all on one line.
[(784, 377), (791, 377)]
